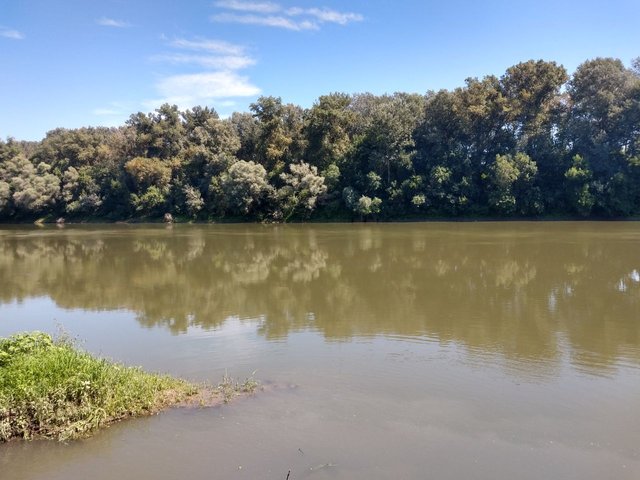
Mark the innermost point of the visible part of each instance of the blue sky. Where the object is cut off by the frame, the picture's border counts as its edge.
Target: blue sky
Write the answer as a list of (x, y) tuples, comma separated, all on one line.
[(72, 63)]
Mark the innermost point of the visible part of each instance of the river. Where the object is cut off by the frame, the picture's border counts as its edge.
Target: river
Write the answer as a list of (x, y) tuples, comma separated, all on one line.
[(406, 351)]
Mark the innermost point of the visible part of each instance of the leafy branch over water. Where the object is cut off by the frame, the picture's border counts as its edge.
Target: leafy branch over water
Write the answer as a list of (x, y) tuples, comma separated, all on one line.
[(51, 389)]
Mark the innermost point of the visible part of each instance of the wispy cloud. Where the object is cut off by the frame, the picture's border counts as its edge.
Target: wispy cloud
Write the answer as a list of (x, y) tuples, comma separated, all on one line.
[(274, 15), (12, 34), (114, 113), (212, 79), (217, 84), (226, 103), (227, 62), (105, 112), (257, 7), (111, 22), (206, 53), (268, 21), (326, 15), (205, 86), (205, 45)]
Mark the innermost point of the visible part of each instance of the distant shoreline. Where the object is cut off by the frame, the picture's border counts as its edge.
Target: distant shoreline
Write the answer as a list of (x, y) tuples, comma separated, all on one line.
[(180, 221)]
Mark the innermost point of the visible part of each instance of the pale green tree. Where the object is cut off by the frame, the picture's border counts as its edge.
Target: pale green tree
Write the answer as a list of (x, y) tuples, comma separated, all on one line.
[(5, 196), (368, 206), (193, 200), (302, 187), (31, 189), (80, 192), (244, 187)]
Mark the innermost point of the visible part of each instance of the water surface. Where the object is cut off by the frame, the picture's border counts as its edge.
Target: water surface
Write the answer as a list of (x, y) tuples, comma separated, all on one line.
[(445, 351)]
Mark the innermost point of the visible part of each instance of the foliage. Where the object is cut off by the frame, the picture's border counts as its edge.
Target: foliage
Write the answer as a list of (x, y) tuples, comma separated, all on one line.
[(26, 188), (193, 200), (579, 187), (80, 191), (511, 185), (368, 206), (302, 187), (499, 145), (245, 187)]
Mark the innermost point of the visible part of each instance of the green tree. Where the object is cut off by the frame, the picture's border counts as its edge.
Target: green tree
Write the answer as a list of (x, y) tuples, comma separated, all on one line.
[(5, 197), (193, 201), (80, 192), (388, 144), (484, 119), (151, 201), (247, 128), (302, 187), (512, 185), (150, 179), (328, 130), (532, 93), (443, 153), (32, 189), (160, 134), (245, 189), (368, 206), (604, 117), (146, 172), (280, 137), (211, 146), (579, 189)]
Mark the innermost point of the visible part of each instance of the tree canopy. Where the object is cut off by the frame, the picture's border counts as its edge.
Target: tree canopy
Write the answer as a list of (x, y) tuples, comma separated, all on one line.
[(534, 141)]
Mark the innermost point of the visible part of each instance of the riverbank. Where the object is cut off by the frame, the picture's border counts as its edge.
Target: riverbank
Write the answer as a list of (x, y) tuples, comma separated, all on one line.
[(52, 389), (61, 222)]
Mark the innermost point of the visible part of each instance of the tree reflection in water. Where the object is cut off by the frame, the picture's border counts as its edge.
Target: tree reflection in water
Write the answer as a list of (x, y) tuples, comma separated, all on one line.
[(518, 290)]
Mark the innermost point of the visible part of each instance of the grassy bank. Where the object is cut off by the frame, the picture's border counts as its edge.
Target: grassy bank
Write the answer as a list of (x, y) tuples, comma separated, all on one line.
[(51, 389)]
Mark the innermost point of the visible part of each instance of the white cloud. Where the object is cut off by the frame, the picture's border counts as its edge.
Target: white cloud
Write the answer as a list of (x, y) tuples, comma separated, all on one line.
[(207, 85), (114, 109), (269, 21), (257, 7), (226, 62), (110, 22), (211, 54), (102, 112), (326, 15), (212, 46), (114, 114), (189, 90), (294, 18), (12, 34), (218, 84)]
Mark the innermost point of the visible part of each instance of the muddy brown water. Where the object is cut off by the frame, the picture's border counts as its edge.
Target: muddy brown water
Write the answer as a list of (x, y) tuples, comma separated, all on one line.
[(417, 351)]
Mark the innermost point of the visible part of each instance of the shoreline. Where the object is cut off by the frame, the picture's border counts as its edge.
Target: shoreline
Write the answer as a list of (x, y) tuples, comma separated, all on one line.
[(50, 389), (180, 221)]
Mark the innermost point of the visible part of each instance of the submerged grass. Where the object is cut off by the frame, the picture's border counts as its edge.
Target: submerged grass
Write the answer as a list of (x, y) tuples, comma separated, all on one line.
[(51, 389)]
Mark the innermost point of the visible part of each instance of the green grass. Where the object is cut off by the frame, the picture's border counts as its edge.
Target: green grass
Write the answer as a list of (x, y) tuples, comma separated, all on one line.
[(49, 388)]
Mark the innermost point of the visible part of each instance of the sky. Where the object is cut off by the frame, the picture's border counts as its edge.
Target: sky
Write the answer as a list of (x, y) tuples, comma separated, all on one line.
[(74, 63)]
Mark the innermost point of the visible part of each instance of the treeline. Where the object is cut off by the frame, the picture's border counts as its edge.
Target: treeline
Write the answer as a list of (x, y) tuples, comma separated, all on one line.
[(531, 142)]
